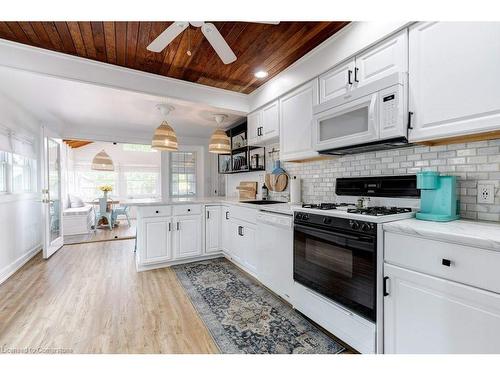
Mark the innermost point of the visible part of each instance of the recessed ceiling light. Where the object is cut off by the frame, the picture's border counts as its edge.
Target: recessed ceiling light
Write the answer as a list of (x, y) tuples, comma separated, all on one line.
[(261, 74)]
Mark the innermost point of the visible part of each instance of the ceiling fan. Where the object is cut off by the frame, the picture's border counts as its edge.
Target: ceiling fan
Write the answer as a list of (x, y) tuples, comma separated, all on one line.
[(208, 29)]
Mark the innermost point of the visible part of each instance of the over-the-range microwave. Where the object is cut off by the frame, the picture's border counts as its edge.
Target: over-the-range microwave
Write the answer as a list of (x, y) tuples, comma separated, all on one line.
[(371, 117)]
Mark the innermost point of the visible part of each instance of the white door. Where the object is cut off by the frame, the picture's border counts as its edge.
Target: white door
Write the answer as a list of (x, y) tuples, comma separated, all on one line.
[(296, 113), (384, 59), (212, 229), (52, 203), (225, 231), (271, 121), (426, 314), (157, 239), (348, 124), (250, 256), (337, 81), (254, 127), (454, 78), (187, 236)]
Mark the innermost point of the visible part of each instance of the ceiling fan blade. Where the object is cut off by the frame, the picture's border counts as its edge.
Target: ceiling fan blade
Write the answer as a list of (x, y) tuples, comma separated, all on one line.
[(218, 43), (170, 33)]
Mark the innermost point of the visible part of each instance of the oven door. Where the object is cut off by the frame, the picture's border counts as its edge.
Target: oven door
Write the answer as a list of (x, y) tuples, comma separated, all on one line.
[(352, 123), (337, 265)]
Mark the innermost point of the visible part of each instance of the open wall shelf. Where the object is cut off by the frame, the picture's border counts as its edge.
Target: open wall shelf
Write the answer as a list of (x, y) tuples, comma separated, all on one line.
[(243, 158)]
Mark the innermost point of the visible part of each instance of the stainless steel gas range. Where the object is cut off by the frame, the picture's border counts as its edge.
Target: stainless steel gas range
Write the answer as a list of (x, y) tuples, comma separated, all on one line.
[(337, 246)]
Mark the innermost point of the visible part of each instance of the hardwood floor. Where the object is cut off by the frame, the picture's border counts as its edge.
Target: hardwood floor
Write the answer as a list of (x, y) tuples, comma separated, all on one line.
[(89, 299), (119, 232)]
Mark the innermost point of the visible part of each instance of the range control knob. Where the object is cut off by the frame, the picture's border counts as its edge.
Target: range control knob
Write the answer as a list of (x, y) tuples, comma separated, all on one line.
[(327, 220), (305, 217), (366, 227), (354, 224)]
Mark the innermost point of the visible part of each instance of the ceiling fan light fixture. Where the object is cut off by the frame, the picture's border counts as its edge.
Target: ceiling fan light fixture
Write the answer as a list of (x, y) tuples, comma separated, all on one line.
[(261, 74), (102, 162), (219, 141)]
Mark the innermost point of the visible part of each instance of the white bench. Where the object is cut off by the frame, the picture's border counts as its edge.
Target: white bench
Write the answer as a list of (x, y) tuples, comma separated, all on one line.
[(78, 220)]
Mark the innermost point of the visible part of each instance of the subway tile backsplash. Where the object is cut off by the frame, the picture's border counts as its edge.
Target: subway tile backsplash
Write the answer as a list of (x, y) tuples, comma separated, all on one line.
[(473, 163)]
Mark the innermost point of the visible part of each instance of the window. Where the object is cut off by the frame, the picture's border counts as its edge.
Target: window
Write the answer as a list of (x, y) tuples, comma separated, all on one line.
[(23, 174), (88, 182), (137, 148), (3, 172), (182, 174), (142, 184)]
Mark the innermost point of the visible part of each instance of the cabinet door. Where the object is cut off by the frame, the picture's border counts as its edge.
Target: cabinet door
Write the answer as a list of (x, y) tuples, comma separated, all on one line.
[(254, 122), (382, 60), (337, 81), (270, 121), (236, 238), (296, 113), (226, 231), (250, 256), (156, 244), (454, 78), (212, 229), (187, 236), (425, 314)]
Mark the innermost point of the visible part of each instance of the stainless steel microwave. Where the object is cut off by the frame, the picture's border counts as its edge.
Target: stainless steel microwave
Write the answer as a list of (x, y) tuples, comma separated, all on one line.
[(368, 118)]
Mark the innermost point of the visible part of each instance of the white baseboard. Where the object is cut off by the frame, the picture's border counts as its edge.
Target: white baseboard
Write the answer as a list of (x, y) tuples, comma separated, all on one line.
[(9, 270)]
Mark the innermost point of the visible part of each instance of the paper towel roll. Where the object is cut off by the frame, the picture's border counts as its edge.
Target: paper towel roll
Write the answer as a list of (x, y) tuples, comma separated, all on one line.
[(295, 193)]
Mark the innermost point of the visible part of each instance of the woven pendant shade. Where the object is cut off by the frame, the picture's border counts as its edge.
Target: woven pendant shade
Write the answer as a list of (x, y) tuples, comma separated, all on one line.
[(102, 162), (219, 142), (164, 138)]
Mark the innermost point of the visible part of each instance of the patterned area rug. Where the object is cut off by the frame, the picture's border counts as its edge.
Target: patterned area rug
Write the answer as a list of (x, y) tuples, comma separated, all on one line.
[(244, 317)]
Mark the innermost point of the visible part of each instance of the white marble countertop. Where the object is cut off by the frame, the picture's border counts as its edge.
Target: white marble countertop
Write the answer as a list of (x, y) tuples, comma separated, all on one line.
[(464, 232), (283, 208)]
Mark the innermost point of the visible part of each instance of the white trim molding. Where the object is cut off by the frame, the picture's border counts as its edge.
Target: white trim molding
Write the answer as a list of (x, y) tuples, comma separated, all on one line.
[(37, 60), (10, 269)]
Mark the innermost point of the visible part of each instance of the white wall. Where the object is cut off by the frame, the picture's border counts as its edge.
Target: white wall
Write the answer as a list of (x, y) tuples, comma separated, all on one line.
[(20, 214)]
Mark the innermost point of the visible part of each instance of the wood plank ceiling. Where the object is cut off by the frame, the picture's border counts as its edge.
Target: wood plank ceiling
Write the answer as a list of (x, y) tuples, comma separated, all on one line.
[(258, 47)]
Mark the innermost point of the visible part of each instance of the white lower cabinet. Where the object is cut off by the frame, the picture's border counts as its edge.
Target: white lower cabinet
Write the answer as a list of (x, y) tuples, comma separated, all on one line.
[(187, 236), (250, 257), (426, 314), (212, 229), (225, 230), (156, 240), (440, 297)]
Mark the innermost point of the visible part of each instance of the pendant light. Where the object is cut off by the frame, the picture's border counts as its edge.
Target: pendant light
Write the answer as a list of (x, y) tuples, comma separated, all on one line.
[(164, 138), (102, 162), (219, 141)]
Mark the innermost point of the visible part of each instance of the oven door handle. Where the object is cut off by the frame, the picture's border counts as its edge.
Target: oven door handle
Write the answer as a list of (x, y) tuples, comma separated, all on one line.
[(314, 232)]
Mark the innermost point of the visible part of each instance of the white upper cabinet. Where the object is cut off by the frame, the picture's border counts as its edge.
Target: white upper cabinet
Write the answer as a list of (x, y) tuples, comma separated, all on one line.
[(212, 229), (337, 81), (454, 79), (271, 121), (388, 57), (187, 236), (296, 113), (254, 124), (263, 124)]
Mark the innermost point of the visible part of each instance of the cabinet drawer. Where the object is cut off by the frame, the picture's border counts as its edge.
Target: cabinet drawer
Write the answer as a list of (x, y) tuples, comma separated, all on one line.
[(187, 209), (467, 265), (244, 213), (154, 211)]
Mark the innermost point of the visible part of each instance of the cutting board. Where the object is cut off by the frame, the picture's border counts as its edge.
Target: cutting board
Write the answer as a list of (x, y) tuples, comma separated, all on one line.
[(279, 182), (247, 189)]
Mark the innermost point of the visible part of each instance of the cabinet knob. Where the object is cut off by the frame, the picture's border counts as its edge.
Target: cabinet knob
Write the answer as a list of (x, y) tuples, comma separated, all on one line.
[(446, 262), (189, 210), (157, 211)]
